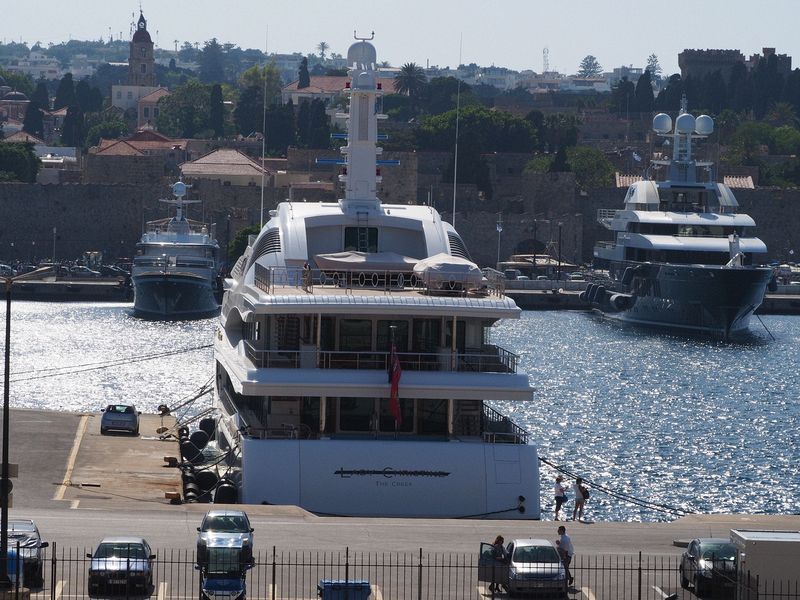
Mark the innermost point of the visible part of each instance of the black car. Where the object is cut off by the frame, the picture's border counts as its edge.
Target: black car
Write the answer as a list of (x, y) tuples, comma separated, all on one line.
[(708, 564), (123, 564), (24, 534)]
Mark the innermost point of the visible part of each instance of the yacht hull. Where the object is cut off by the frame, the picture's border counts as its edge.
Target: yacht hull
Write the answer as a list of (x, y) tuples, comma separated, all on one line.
[(392, 478), (690, 298), (171, 296)]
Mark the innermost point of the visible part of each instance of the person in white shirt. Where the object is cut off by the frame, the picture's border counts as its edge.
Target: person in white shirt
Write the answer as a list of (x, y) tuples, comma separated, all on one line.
[(560, 493), (565, 551)]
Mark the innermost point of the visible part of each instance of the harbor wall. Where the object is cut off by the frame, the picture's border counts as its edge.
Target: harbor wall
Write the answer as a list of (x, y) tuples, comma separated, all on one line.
[(110, 217)]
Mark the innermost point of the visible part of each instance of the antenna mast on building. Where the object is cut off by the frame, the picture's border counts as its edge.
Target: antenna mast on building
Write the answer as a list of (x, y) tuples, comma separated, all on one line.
[(546, 60)]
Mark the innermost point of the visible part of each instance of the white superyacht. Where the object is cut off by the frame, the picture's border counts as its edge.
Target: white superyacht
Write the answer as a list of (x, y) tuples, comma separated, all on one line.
[(353, 361)]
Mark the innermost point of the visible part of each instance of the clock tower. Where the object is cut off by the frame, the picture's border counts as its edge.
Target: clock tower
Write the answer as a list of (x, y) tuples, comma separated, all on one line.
[(141, 62)]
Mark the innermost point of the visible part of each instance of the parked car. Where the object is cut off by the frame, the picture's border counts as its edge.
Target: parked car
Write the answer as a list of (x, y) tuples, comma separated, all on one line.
[(120, 417), (232, 527), (123, 564), (533, 566), (6, 271), (82, 272), (25, 534), (704, 559)]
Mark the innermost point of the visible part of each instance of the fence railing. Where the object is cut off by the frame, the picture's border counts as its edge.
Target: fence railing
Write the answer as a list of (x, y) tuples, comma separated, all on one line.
[(489, 359), (416, 575)]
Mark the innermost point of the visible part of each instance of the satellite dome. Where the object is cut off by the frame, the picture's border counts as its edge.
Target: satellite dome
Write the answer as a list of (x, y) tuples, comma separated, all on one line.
[(684, 123), (704, 125), (662, 123), (179, 189), (361, 53)]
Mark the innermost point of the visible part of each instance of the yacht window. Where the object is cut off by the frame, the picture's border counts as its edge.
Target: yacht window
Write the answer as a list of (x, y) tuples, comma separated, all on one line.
[(432, 417), (361, 239), (383, 343), (355, 335), (427, 333), (387, 423), (356, 414)]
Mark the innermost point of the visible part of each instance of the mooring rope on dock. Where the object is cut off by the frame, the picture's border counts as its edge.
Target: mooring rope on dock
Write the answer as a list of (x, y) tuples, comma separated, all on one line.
[(664, 508)]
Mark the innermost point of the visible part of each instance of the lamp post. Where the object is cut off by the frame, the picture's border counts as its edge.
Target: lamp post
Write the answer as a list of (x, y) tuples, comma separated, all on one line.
[(5, 482), (499, 231)]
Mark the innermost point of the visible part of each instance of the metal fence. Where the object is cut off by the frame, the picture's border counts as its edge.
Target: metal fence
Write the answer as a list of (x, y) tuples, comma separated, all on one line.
[(418, 575)]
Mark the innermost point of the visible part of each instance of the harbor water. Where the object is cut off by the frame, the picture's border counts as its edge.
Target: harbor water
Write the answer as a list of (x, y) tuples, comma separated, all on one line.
[(683, 423)]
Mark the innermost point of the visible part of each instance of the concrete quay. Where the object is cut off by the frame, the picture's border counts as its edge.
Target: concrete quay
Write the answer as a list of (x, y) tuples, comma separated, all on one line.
[(80, 486)]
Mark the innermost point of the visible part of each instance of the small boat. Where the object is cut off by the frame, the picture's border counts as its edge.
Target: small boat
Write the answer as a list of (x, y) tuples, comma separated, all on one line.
[(175, 272), (683, 257)]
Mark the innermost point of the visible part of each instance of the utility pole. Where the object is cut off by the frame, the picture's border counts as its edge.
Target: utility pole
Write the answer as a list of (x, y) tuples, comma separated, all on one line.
[(499, 231)]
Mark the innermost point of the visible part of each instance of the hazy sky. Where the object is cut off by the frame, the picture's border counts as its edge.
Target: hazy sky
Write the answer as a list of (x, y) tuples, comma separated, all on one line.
[(511, 33)]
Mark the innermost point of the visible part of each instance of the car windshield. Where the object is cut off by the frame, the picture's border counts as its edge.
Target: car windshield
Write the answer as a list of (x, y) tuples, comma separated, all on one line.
[(535, 554), (120, 409), (120, 550), (719, 552), (226, 523)]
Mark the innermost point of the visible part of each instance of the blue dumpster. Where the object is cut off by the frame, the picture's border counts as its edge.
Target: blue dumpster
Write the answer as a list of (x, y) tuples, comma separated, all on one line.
[(339, 589)]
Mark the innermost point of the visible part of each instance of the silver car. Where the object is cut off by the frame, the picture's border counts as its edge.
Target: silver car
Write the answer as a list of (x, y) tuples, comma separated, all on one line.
[(708, 564), (120, 417), (24, 534), (226, 527), (533, 567), (123, 564)]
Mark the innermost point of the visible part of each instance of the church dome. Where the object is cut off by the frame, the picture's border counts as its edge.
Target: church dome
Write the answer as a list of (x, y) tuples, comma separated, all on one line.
[(15, 97)]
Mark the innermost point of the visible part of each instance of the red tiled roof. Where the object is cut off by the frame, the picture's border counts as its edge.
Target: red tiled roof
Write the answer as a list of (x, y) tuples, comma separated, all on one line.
[(22, 136), (118, 148), (224, 161), (155, 96)]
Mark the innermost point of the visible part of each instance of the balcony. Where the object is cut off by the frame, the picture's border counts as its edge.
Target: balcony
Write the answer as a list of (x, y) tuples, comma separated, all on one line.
[(489, 359)]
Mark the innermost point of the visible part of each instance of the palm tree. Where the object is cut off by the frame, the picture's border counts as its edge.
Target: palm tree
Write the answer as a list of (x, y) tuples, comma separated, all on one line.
[(323, 48), (410, 80)]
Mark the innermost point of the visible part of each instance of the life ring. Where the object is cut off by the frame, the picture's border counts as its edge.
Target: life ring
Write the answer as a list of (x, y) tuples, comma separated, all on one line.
[(362, 279), (375, 280)]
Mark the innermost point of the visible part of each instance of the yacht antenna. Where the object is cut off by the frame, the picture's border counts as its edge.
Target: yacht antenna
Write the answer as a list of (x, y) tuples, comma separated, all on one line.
[(264, 127), (458, 113), (364, 39)]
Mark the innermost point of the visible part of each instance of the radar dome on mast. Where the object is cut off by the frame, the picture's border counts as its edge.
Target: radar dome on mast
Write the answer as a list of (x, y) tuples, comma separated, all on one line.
[(362, 55), (704, 125), (662, 123)]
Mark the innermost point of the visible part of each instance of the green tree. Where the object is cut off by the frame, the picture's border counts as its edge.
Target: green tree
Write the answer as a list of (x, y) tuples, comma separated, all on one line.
[(319, 126), (83, 95), (303, 78), (254, 77), (782, 113), (644, 93), (212, 62), (65, 94), (785, 140), (41, 96), (560, 164), (714, 96), (72, 133), (624, 95), (589, 67), (654, 67), (304, 124), (410, 80), (591, 167), (109, 129), (216, 118), (185, 112), (280, 129), (726, 123), (18, 162), (560, 130), (19, 82), (740, 89), (322, 48), (238, 244), (669, 98), (33, 122), (441, 94)]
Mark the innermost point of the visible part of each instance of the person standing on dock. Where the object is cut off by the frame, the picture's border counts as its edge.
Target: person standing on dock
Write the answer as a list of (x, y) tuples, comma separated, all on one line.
[(581, 495), (560, 494)]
